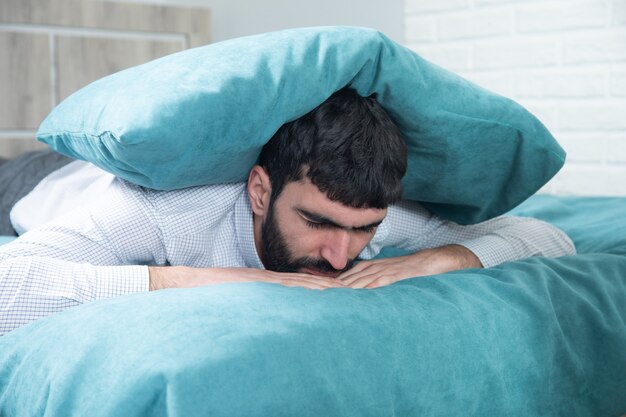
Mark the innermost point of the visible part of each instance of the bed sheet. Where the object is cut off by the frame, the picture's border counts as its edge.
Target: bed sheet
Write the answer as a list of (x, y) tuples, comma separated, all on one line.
[(537, 337)]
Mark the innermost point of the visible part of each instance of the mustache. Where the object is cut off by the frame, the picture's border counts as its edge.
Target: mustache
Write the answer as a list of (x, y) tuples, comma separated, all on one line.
[(321, 265)]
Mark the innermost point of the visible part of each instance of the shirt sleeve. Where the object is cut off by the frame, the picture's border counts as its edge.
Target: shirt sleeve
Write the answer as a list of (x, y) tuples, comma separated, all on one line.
[(410, 226), (97, 251), (35, 287)]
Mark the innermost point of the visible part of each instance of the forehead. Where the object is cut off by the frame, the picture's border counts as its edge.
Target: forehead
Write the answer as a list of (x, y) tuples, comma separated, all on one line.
[(303, 195)]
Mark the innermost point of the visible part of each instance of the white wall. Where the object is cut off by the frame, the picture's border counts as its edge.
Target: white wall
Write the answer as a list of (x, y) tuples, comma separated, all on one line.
[(565, 60), (242, 17), (234, 18)]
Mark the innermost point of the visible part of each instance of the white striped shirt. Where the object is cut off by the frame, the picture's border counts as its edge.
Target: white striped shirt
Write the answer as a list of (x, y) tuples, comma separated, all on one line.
[(103, 249)]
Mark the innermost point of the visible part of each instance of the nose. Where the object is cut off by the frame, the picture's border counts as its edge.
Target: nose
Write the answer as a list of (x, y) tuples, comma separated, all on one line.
[(335, 249)]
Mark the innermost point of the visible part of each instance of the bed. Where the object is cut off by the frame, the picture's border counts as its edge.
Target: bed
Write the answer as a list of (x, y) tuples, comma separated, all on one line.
[(537, 337)]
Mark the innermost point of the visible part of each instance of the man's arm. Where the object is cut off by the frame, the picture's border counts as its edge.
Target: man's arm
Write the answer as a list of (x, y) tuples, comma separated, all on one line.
[(440, 246), (35, 287), (91, 253), (189, 277), (102, 251)]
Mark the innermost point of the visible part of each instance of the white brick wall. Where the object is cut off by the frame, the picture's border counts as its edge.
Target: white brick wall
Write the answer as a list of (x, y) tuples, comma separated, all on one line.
[(565, 60)]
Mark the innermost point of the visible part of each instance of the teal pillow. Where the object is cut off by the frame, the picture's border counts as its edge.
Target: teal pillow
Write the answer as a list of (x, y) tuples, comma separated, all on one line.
[(541, 337), (538, 337), (201, 116)]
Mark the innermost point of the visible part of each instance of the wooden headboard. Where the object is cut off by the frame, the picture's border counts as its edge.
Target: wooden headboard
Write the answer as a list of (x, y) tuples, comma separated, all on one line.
[(51, 48)]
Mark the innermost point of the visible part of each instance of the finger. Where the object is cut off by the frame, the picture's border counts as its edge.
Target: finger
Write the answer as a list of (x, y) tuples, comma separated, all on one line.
[(372, 271), (306, 277), (363, 281), (351, 273), (280, 276), (312, 281), (379, 282), (311, 285), (366, 269), (334, 282), (329, 282), (356, 269), (348, 281)]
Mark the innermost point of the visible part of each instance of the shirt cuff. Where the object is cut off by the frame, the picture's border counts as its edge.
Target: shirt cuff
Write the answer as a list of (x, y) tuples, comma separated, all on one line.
[(113, 281)]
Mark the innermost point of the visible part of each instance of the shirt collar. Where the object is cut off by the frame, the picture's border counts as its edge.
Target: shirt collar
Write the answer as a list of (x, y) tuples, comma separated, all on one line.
[(244, 230)]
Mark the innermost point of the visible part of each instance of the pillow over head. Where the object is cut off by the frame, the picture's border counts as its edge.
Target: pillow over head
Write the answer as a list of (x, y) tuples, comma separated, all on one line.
[(201, 116)]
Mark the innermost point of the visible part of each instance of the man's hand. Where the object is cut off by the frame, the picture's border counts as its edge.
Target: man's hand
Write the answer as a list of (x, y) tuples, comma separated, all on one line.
[(381, 272), (187, 277)]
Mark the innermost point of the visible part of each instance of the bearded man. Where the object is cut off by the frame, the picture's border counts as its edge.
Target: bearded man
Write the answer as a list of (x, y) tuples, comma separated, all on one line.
[(324, 199)]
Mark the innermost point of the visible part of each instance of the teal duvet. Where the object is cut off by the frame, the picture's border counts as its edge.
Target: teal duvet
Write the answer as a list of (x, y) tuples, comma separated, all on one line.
[(539, 337)]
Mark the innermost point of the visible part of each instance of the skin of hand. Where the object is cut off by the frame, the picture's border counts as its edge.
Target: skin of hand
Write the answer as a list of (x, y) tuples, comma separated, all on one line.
[(366, 274), (381, 272), (188, 277)]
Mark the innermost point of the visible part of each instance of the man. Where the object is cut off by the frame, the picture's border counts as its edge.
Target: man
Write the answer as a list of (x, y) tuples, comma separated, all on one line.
[(326, 192)]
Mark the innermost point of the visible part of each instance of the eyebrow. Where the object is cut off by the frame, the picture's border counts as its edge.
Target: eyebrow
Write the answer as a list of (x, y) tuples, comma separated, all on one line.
[(317, 218)]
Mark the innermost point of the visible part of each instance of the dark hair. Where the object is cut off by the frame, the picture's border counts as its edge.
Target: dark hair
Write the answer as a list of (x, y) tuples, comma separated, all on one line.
[(348, 147)]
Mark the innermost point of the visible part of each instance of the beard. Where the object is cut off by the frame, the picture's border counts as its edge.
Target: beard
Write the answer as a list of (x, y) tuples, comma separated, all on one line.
[(279, 258)]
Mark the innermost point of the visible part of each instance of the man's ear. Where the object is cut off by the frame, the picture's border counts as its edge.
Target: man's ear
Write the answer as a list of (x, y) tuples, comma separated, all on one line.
[(259, 190)]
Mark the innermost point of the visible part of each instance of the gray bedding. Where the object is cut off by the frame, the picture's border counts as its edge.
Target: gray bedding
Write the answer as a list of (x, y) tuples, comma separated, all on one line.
[(20, 175)]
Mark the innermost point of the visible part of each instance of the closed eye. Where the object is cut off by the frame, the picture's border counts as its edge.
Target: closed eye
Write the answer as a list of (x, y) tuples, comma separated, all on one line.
[(366, 229), (315, 225), (314, 221)]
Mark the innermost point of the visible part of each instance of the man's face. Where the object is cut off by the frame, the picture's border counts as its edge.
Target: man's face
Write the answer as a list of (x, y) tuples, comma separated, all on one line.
[(304, 231)]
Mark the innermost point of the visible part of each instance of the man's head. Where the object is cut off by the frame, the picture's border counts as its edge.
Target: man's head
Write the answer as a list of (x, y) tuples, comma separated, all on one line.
[(324, 182)]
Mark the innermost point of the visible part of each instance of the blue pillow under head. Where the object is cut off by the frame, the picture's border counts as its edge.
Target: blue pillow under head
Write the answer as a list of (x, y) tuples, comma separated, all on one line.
[(537, 337), (202, 115), (542, 337)]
